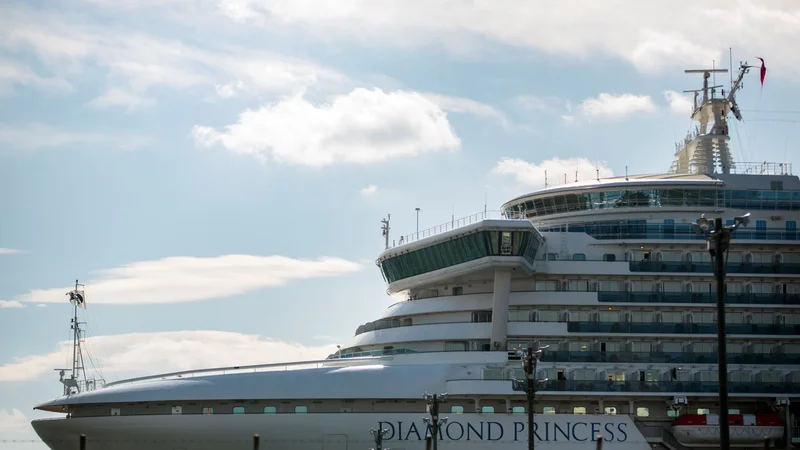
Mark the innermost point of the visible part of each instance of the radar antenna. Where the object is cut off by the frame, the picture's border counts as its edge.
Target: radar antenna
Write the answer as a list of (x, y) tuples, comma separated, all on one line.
[(705, 150)]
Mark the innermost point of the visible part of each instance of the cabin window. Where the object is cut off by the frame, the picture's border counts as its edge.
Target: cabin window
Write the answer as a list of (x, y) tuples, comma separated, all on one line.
[(114, 411), (547, 315), (642, 316), (672, 413), (579, 410), (609, 286), (546, 286), (610, 411), (703, 411), (455, 346), (457, 409), (487, 409), (519, 315), (642, 412), (177, 409), (579, 257), (549, 410), (609, 257), (238, 409), (518, 410), (208, 410), (733, 411), (270, 410), (481, 316), (458, 290), (301, 409)]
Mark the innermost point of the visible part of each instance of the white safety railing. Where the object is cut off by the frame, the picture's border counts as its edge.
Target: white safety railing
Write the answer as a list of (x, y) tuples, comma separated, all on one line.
[(452, 225)]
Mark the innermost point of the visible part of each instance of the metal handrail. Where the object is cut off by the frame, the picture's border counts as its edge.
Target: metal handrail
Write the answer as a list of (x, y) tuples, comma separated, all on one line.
[(452, 225)]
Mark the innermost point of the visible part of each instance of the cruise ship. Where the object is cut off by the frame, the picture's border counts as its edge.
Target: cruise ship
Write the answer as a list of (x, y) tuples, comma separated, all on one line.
[(610, 277)]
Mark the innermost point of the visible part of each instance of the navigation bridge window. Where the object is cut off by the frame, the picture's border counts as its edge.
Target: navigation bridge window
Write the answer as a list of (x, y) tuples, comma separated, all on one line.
[(461, 250)]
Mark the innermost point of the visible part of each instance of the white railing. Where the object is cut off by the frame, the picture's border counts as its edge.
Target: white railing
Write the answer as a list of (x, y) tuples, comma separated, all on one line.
[(451, 225), (271, 367), (762, 168)]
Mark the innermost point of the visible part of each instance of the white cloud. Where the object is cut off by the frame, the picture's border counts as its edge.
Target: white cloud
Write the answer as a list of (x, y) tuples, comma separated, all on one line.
[(39, 136), (533, 175), (14, 73), (369, 191), (10, 304), (185, 279), (13, 421), (365, 126), (136, 62), (466, 106), (610, 106), (134, 354), (544, 104), (117, 97), (9, 251), (679, 103), (650, 35)]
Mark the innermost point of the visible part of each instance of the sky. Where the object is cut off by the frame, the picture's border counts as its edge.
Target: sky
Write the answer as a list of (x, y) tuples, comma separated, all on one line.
[(215, 171)]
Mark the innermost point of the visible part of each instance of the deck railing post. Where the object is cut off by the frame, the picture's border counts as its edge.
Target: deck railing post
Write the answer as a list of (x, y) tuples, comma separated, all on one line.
[(428, 440), (256, 442), (82, 444)]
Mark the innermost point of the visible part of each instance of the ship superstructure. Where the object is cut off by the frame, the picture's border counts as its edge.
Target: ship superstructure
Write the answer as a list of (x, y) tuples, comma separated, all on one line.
[(610, 275)]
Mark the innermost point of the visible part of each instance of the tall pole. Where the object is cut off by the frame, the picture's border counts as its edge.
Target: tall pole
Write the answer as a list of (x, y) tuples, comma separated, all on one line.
[(417, 223), (75, 338), (529, 373), (720, 242), (433, 404)]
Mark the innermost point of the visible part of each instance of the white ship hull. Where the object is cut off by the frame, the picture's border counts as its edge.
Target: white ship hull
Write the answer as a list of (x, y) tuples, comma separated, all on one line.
[(342, 431)]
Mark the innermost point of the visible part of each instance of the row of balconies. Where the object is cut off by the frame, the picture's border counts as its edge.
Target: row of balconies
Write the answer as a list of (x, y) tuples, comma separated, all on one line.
[(685, 267), (699, 298), (682, 328)]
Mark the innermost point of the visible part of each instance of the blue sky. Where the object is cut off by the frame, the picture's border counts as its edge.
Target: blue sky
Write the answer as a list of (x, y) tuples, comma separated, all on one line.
[(215, 172)]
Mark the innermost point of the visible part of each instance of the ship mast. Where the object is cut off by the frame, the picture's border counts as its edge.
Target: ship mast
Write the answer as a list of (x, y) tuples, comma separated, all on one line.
[(704, 150), (77, 379)]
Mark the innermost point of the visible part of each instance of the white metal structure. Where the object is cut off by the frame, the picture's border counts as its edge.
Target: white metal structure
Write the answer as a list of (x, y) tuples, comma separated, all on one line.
[(609, 273)]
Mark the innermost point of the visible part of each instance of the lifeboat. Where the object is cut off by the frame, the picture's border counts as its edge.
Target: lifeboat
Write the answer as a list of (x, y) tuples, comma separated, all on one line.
[(746, 430)]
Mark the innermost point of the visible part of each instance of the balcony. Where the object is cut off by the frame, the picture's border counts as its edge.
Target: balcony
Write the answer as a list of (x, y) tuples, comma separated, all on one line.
[(689, 267), (681, 328), (663, 386), (700, 298), (669, 357)]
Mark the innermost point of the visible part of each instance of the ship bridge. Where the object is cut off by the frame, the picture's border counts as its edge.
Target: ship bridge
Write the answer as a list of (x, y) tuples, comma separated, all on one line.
[(486, 250)]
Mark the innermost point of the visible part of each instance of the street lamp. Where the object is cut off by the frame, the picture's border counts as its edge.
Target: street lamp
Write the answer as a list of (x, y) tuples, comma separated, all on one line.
[(718, 244), (378, 437), (529, 384), (433, 401)]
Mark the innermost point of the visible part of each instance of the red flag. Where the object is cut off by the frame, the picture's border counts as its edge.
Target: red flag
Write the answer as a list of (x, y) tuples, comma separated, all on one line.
[(763, 70)]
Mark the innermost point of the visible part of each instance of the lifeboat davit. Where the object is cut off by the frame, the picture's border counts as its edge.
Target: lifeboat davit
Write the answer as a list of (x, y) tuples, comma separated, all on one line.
[(702, 430)]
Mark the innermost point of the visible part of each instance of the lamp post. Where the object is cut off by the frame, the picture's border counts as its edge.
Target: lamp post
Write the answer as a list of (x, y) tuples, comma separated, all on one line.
[(529, 362), (718, 244), (433, 401), (378, 437)]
